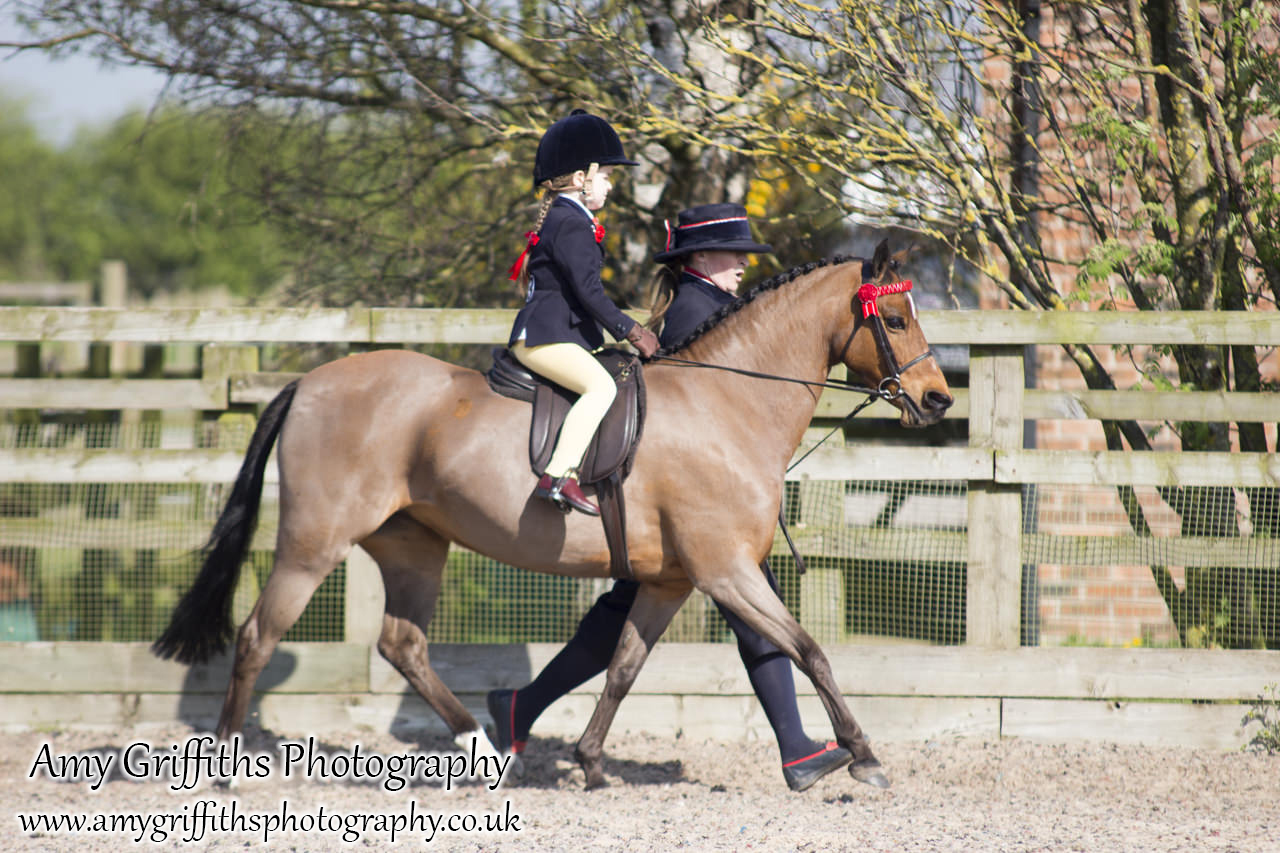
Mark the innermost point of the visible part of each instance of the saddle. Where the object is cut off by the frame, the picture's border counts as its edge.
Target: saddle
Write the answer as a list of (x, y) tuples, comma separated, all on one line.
[(612, 451)]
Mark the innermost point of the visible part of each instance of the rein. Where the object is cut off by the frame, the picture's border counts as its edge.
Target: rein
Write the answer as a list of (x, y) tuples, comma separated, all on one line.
[(838, 384)]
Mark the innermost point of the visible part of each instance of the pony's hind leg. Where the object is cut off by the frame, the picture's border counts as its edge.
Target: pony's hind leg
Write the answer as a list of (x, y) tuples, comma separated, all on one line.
[(412, 559), (747, 593), (292, 582), (652, 611)]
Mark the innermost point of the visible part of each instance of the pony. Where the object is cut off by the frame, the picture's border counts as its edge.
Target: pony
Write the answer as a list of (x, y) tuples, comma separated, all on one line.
[(403, 454)]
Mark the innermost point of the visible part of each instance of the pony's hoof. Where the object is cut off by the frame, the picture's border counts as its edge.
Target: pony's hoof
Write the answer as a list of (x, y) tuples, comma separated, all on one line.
[(594, 773), (869, 772)]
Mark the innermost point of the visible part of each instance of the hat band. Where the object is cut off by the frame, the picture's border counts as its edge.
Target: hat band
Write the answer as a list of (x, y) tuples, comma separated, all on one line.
[(711, 222), (708, 234)]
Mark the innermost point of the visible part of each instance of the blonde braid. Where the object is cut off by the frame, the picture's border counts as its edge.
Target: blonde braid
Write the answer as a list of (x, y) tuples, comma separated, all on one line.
[(550, 189)]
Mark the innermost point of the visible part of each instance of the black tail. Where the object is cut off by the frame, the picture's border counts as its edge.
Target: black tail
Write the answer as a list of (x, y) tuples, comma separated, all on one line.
[(201, 624)]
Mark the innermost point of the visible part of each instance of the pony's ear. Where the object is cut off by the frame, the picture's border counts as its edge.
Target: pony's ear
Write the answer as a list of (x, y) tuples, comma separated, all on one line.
[(900, 257), (880, 260)]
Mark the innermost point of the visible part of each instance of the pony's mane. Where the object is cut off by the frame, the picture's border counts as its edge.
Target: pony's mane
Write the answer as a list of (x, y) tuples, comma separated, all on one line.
[(750, 296)]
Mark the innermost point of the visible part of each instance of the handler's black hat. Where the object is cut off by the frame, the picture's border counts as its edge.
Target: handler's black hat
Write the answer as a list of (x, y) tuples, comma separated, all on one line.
[(710, 228), (575, 142)]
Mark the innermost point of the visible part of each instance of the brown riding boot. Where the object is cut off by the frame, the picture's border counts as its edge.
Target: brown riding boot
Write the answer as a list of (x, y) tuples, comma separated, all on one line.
[(565, 493)]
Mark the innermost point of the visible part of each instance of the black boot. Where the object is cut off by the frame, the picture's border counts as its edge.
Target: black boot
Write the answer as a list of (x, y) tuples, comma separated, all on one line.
[(803, 772), (502, 708)]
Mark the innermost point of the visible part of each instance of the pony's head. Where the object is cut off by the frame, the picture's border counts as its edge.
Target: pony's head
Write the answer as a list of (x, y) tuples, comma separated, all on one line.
[(884, 347)]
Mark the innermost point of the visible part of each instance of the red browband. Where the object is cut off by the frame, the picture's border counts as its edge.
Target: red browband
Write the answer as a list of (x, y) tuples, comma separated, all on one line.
[(869, 293)]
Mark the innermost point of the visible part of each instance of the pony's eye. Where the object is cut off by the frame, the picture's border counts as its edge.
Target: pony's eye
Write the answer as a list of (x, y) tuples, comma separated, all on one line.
[(895, 323)]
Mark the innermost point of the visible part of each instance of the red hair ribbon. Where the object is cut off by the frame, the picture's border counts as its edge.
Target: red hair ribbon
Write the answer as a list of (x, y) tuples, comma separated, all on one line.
[(869, 293), (514, 273)]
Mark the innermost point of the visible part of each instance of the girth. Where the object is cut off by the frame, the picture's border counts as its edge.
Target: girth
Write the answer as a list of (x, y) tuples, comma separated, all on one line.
[(612, 451)]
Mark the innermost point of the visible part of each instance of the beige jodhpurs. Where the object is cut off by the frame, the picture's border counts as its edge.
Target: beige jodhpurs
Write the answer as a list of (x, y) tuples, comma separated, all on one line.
[(578, 370)]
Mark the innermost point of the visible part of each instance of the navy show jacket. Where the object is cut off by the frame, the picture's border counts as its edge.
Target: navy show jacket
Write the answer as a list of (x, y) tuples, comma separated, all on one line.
[(696, 299), (566, 301)]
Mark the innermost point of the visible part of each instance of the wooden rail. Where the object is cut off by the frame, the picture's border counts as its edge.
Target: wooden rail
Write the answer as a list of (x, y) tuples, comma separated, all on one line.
[(991, 683), (898, 692), (382, 326)]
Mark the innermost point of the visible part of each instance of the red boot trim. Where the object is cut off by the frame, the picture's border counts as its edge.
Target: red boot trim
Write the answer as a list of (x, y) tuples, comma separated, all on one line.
[(830, 746)]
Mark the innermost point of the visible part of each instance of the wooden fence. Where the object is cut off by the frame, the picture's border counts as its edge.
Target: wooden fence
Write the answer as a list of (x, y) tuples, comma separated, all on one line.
[(989, 686)]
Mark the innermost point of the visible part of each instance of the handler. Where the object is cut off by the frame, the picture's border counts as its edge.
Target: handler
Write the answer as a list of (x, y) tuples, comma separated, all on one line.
[(705, 257)]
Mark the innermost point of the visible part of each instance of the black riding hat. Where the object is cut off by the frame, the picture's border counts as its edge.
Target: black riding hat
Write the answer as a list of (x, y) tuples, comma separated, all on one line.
[(575, 142), (710, 228)]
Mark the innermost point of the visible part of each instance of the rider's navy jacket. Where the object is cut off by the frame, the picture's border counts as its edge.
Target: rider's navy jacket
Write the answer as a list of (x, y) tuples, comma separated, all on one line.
[(566, 301), (696, 299)]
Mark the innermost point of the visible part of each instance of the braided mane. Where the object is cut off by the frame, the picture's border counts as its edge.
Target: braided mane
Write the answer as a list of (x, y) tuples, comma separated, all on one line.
[(745, 299)]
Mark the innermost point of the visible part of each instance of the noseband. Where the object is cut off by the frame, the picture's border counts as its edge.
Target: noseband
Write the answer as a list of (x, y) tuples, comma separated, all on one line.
[(890, 387)]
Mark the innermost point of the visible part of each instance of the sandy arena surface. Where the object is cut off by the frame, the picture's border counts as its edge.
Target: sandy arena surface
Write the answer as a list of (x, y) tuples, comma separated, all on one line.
[(665, 794)]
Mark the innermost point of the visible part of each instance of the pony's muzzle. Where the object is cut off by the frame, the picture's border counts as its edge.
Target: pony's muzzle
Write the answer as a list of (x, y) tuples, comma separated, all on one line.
[(932, 407)]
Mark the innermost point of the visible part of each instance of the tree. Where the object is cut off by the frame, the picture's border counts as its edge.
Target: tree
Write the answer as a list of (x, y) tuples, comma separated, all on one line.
[(1146, 128), (414, 124), (150, 190), (1161, 171), (29, 166)]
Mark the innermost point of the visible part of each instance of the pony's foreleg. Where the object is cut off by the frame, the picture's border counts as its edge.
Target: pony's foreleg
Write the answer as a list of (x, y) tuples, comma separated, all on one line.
[(652, 611), (287, 591), (412, 560), (747, 593)]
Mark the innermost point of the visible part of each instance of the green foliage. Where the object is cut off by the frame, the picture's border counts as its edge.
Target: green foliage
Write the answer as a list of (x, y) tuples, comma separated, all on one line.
[(30, 168), (153, 191), (1124, 136), (1265, 711), (1102, 260)]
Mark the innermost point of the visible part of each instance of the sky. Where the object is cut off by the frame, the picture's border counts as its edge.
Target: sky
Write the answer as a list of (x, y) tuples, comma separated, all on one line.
[(62, 94)]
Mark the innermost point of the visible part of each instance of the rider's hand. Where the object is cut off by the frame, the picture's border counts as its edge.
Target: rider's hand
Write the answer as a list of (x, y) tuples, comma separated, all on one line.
[(643, 340)]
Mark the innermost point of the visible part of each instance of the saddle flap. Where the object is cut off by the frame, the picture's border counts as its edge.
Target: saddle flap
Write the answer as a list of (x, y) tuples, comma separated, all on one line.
[(613, 447), (550, 405)]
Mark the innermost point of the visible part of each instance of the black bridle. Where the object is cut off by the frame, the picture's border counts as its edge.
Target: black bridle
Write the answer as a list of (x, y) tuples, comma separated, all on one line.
[(888, 389)]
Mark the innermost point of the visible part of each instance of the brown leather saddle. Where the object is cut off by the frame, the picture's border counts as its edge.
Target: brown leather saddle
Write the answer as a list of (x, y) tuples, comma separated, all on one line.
[(612, 450)]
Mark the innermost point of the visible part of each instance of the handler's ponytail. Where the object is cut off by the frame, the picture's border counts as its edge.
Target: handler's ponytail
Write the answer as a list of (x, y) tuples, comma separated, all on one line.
[(662, 290)]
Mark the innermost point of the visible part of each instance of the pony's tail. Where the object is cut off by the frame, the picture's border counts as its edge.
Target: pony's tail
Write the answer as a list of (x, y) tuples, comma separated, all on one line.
[(201, 623)]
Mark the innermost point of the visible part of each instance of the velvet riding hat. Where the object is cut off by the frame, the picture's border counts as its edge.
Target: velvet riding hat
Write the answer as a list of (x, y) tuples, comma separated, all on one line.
[(575, 142), (710, 228)]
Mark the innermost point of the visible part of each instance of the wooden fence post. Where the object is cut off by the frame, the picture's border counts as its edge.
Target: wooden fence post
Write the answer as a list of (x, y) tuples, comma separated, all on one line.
[(819, 504), (993, 589), (102, 500), (234, 425), (363, 598)]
